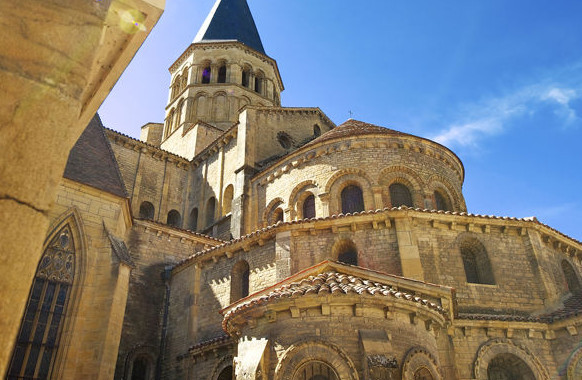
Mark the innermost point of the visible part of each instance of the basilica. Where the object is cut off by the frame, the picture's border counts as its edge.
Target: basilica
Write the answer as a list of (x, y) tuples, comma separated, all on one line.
[(241, 239)]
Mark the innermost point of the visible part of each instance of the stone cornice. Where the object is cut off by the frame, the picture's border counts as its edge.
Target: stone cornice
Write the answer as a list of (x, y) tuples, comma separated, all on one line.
[(227, 44), (138, 145), (305, 154), (292, 110), (380, 219), (177, 233)]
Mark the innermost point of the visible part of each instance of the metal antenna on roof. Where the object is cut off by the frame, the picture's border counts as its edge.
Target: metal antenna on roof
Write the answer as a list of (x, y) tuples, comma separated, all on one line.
[(351, 114)]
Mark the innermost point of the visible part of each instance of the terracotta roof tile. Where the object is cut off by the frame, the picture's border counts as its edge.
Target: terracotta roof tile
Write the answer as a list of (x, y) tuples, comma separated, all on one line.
[(330, 283)]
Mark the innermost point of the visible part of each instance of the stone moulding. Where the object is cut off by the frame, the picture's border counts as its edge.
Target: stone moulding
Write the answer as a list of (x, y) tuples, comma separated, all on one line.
[(496, 347), (305, 351)]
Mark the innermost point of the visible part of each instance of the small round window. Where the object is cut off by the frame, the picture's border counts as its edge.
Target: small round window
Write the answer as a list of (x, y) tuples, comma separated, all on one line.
[(285, 140)]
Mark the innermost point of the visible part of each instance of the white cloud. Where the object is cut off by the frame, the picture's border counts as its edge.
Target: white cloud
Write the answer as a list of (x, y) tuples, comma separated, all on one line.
[(491, 116)]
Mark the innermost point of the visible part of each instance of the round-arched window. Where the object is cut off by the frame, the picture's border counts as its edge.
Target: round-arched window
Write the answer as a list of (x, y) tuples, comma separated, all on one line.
[(146, 210), (352, 199), (400, 195), (284, 140), (315, 370)]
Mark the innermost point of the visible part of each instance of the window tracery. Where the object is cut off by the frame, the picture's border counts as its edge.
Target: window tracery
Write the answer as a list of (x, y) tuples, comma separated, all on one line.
[(39, 336)]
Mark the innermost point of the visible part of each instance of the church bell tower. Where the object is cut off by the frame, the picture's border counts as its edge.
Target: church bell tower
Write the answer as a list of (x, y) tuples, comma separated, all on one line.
[(224, 69)]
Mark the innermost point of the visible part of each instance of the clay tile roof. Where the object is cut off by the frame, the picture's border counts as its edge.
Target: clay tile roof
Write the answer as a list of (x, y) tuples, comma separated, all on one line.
[(330, 283), (353, 127), (91, 161)]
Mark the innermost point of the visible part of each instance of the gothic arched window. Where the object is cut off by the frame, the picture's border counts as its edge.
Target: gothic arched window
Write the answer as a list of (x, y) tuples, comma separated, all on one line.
[(476, 262), (194, 219), (40, 330), (352, 199), (210, 209), (570, 276), (400, 195), (146, 210), (174, 219), (239, 281), (222, 74), (309, 207)]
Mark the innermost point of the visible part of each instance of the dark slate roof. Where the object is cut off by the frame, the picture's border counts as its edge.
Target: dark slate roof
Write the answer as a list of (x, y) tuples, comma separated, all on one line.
[(231, 20), (91, 161)]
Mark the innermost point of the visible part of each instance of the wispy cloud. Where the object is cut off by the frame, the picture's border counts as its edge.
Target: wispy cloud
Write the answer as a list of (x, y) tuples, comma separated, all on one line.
[(493, 115)]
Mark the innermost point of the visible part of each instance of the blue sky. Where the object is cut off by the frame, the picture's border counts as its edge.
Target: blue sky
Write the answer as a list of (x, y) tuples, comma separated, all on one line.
[(498, 82)]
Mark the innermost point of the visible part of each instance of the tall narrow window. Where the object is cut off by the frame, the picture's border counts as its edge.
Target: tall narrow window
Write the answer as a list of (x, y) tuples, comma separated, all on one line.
[(174, 219), (441, 201), (222, 74), (141, 368), (227, 199), (476, 262), (194, 219), (259, 84), (239, 281), (210, 209), (146, 210), (400, 195), (245, 77), (570, 276), (352, 199), (309, 207), (206, 75), (40, 329)]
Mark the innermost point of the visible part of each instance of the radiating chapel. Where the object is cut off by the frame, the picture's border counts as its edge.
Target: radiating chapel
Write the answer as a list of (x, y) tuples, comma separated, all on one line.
[(240, 239)]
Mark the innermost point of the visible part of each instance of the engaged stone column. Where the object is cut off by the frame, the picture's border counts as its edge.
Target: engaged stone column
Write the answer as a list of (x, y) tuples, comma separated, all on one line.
[(409, 255)]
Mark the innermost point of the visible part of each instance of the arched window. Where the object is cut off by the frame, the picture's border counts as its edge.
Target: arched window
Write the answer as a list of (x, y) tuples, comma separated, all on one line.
[(174, 219), (570, 276), (206, 75), (41, 327), (346, 252), (222, 74), (146, 210), (423, 373), (179, 111), (141, 368), (316, 130), (239, 281), (194, 219), (246, 74), (309, 207), (184, 82), (277, 215), (210, 209), (227, 199), (507, 367), (315, 370), (170, 122), (476, 262), (441, 201), (225, 374), (259, 84), (352, 199), (400, 195)]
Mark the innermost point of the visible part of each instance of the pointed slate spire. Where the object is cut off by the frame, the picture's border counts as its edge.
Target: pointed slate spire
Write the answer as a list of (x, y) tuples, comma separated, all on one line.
[(231, 20)]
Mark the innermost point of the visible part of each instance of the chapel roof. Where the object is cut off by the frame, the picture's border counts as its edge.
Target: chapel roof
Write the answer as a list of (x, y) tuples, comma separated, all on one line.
[(91, 161), (230, 20), (337, 279)]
